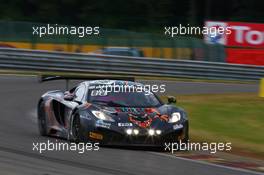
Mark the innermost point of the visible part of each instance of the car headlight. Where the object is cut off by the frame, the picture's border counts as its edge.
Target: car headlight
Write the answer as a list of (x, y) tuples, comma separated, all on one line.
[(102, 116), (175, 117), (151, 132)]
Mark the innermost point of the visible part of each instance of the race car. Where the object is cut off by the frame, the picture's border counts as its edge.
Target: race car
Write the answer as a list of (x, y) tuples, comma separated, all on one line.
[(94, 111)]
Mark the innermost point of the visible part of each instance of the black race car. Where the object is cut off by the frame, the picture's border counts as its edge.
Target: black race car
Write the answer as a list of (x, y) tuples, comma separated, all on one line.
[(91, 112)]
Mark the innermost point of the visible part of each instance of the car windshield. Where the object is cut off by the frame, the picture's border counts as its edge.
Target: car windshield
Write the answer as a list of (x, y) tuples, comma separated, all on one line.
[(123, 99), (121, 53)]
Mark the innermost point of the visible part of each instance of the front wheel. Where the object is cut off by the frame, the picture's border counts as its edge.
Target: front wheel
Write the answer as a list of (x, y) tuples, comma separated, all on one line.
[(186, 134), (76, 131)]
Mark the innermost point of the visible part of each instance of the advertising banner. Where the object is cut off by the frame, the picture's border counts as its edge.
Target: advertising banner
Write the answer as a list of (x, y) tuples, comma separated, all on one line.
[(244, 41)]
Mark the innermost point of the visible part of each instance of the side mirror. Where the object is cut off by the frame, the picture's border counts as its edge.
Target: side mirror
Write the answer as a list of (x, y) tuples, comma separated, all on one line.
[(172, 100), (68, 96)]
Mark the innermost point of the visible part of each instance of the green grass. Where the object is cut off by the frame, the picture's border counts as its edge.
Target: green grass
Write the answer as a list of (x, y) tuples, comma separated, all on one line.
[(236, 118)]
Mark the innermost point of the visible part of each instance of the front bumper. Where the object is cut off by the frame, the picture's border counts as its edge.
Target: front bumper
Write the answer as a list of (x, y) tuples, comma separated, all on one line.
[(108, 133), (117, 139), (112, 137)]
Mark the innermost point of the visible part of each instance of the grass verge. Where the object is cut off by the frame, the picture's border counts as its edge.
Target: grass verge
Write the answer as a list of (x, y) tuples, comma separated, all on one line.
[(235, 118)]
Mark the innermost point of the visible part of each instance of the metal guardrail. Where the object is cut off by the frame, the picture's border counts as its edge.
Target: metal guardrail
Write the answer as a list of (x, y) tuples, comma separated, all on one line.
[(20, 59)]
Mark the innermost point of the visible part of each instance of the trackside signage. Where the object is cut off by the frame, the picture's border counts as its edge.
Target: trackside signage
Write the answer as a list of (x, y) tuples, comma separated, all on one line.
[(242, 34)]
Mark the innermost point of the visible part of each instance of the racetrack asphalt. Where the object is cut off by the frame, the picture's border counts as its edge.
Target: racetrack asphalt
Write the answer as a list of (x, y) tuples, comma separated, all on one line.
[(18, 131)]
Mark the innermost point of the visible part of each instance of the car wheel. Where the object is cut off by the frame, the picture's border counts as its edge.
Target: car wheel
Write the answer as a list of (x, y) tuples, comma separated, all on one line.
[(42, 123), (186, 134), (77, 134)]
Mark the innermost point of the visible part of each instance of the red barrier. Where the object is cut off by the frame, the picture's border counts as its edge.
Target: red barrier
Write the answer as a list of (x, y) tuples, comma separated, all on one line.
[(245, 56)]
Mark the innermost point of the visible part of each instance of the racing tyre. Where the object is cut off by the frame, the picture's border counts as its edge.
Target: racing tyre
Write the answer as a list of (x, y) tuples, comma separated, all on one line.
[(186, 133), (77, 134)]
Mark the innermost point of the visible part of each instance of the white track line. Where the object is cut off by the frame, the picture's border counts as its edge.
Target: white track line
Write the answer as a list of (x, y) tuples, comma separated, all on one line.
[(207, 163)]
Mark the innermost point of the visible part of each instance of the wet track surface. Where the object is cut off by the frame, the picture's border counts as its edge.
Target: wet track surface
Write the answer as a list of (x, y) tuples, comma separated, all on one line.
[(18, 131)]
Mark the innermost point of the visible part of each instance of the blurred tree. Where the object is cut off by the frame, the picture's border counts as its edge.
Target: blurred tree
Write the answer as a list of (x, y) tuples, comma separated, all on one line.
[(131, 14)]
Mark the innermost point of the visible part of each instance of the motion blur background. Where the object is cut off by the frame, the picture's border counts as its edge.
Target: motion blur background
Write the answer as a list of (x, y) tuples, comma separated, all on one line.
[(136, 23)]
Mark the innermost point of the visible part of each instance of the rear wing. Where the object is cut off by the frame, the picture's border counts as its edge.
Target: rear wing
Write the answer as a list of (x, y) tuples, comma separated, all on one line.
[(44, 78)]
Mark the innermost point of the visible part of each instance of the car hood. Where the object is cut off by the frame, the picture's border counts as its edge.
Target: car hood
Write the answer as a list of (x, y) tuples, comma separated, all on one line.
[(141, 117)]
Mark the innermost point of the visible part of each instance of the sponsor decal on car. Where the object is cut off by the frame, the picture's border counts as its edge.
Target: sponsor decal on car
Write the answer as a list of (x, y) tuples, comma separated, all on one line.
[(124, 124), (177, 126), (101, 123), (143, 117), (95, 135)]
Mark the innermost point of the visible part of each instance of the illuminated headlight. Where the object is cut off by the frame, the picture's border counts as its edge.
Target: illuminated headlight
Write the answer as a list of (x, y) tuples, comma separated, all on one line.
[(102, 116), (151, 132), (158, 132), (175, 117), (129, 131), (135, 131)]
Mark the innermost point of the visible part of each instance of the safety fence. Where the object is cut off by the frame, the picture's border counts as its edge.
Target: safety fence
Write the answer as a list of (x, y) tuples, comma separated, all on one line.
[(19, 59)]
